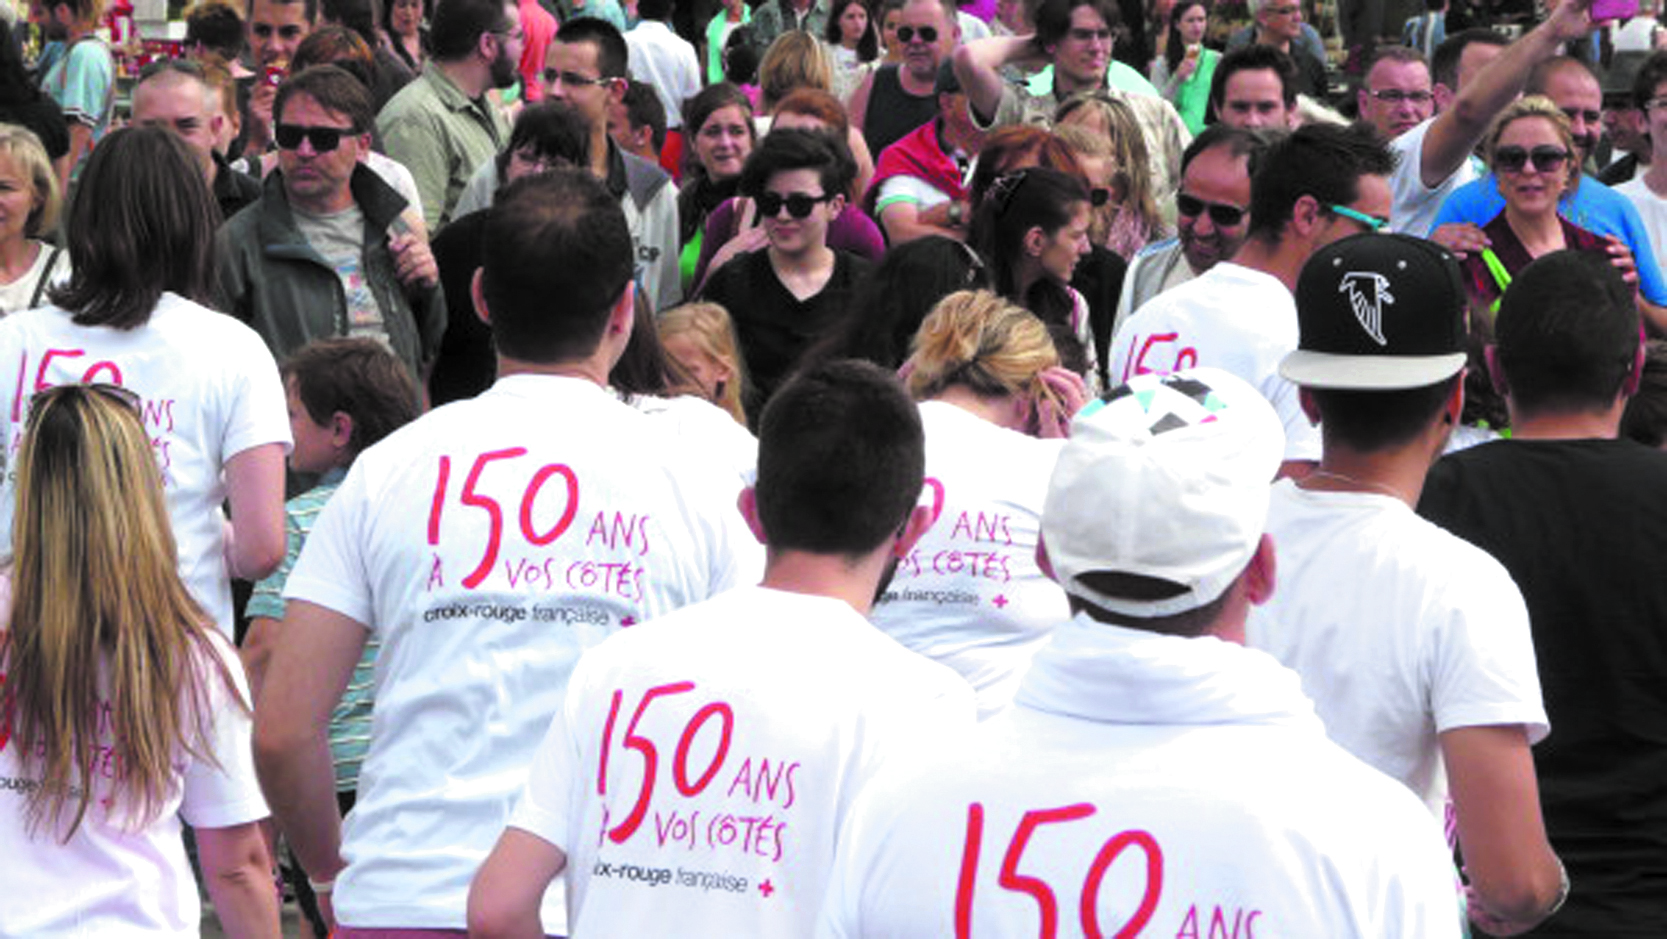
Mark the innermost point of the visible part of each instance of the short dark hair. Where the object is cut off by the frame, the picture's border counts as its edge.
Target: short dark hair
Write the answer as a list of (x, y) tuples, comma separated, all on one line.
[(309, 8), (144, 224), (654, 9), (552, 129), (458, 25), (1444, 65), (1540, 75), (1391, 52), (216, 24), (1255, 58), (363, 17), (644, 109), (335, 89), (1645, 418), (556, 254), (841, 459), (1374, 421), (794, 149), (338, 46), (1053, 18), (1197, 621), (613, 57), (359, 377), (741, 56), (1651, 73), (1567, 333), (1325, 161), (1239, 141)]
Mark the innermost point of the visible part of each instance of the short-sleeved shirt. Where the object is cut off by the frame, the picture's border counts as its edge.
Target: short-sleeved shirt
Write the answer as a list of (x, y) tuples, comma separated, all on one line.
[(440, 135), (487, 545), (769, 710), (209, 390), (1413, 205), (350, 722)]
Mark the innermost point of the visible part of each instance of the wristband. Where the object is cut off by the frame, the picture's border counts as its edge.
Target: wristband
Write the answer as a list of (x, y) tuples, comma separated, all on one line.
[(322, 888)]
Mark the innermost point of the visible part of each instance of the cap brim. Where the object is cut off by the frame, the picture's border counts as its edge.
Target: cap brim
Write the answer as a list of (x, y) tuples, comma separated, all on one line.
[(1369, 372)]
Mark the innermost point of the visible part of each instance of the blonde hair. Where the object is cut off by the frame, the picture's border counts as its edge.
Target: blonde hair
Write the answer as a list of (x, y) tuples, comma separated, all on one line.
[(26, 152), (795, 60), (984, 343), (709, 326), (1542, 107), (1126, 147), (99, 612)]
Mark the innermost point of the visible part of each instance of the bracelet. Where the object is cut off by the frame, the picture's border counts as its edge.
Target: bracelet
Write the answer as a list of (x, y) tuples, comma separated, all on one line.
[(322, 888)]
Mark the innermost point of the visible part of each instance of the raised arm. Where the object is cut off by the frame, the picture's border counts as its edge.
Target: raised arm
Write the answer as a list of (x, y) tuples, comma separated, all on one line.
[(978, 68)]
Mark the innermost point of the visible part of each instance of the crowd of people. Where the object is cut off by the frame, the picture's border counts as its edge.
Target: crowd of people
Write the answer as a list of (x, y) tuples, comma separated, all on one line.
[(835, 468)]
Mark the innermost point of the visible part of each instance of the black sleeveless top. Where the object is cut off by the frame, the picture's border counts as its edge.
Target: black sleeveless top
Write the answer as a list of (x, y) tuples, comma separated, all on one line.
[(893, 112)]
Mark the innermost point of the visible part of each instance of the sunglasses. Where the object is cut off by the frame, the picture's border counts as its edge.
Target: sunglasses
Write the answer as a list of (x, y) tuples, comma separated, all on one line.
[(323, 139), (908, 33), (1224, 216), (1545, 158), (1099, 196), (1372, 222), (798, 204)]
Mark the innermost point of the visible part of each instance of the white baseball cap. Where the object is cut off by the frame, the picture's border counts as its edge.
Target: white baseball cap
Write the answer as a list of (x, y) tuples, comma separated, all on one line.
[(1166, 477)]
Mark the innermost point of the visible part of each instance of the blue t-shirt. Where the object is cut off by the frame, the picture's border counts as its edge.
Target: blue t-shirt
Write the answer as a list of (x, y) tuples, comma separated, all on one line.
[(1593, 206)]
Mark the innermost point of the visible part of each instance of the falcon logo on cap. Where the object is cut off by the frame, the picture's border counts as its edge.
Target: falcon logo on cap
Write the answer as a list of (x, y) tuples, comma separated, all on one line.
[(1368, 292)]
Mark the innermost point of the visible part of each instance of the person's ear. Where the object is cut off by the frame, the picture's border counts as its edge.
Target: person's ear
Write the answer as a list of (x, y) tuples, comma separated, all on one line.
[(1305, 216), (1310, 407), (616, 90), (1635, 376), (479, 298), (747, 502), (1496, 372), (1043, 563), (1443, 96), (341, 430), (836, 205), (1034, 241), (1262, 575), (917, 524)]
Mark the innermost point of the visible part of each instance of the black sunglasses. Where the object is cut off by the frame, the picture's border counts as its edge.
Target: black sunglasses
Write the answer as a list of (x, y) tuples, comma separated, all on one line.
[(323, 139), (1545, 158), (907, 33), (1099, 196), (798, 204), (1226, 216)]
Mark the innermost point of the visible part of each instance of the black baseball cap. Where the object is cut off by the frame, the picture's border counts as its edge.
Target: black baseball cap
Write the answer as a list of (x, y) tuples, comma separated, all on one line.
[(1378, 312)]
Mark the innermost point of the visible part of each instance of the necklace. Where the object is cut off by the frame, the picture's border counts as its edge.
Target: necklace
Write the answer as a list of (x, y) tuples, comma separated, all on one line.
[(1354, 483)]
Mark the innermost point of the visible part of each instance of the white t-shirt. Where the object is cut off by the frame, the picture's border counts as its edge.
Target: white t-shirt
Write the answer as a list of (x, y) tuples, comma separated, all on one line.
[(728, 741), (702, 425), (113, 881), (1229, 317), (667, 62), (970, 594), (210, 391), (1414, 205), (1652, 209), (1399, 630), (1180, 785), (488, 544), (17, 295)]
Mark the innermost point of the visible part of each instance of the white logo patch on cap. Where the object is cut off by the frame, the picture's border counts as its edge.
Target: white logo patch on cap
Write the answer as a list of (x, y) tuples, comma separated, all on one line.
[(1368, 292)]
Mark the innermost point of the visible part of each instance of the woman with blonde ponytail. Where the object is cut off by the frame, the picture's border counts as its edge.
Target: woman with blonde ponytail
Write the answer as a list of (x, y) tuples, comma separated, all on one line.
[(122, 709), (995, 403)]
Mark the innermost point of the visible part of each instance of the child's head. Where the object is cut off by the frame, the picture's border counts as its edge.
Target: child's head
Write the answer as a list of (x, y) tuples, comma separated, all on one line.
[(344, 395), (702, 340)]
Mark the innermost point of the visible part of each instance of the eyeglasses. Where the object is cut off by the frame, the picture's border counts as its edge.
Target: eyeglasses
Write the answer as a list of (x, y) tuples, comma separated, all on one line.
[(1223, 215), (1372, 222), (554, 76), (1393, 96), (127, 398), (538, 162), (1089, 35), (1545, 158), (798, 204), (323, 139), (1653, 104), (906, 34)]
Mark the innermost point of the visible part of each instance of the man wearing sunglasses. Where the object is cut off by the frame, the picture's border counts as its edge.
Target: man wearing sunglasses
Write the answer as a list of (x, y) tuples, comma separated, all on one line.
[(1074, 37), (1319, 184), (896, 99), (322, 253), (1591, 205), (441, 126), (1211, 220)]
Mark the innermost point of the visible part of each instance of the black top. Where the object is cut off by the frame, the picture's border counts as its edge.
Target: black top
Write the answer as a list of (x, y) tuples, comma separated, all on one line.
[(893, 112), (467, 364), (1582, 527), (773, 326), (38, 112)]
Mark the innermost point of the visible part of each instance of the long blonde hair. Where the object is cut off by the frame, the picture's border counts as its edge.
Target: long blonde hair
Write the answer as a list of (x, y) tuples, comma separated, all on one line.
[(99, 612), (709, 326), (985, 343)]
